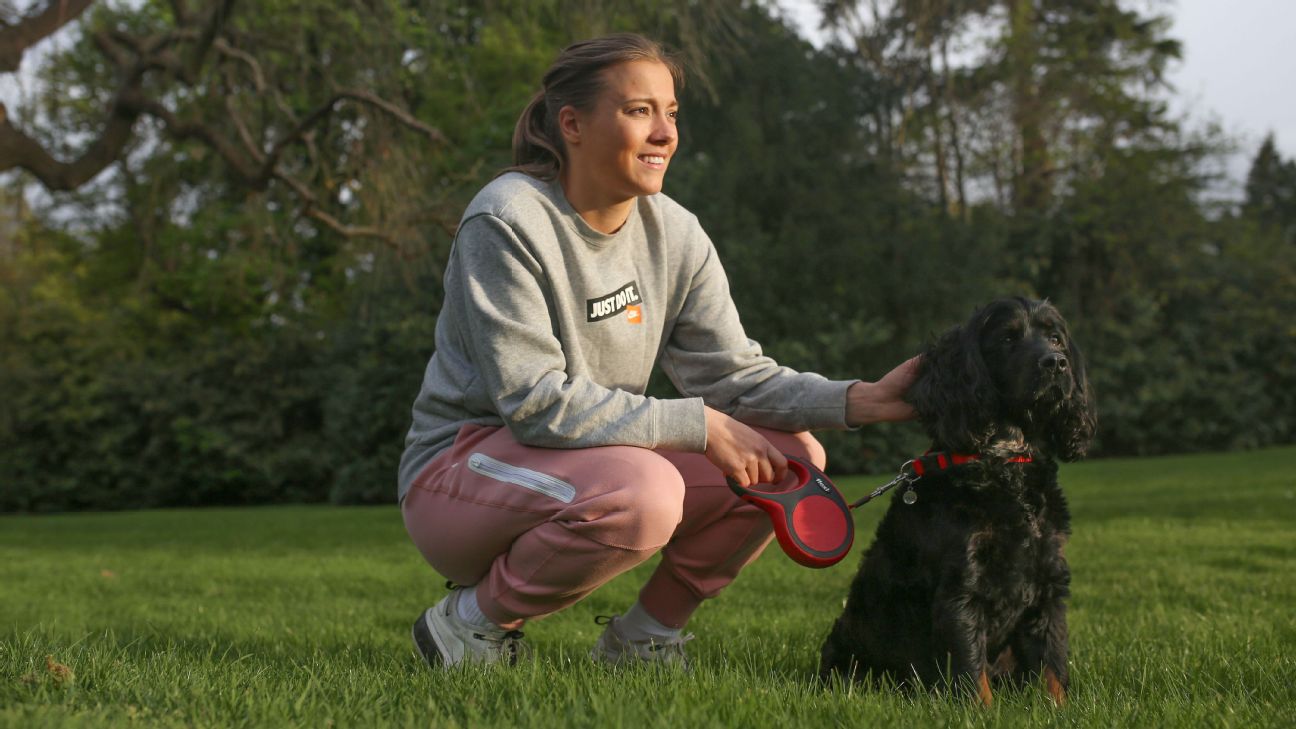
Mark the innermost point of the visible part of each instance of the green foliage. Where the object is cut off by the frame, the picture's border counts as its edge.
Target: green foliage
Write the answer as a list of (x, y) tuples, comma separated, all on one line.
[(189, 396), (299, 616), (1271, 193), (369, 378), (170, 336)]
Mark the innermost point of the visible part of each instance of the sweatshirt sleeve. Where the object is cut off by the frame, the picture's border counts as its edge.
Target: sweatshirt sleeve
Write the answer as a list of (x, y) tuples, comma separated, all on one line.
[(499, 291), (709, 355)]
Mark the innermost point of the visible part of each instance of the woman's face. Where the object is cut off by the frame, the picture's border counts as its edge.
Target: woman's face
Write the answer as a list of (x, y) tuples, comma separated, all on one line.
[(623, 145)]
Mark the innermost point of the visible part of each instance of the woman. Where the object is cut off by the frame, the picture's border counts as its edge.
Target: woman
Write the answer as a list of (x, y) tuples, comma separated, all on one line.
[(536, 469)]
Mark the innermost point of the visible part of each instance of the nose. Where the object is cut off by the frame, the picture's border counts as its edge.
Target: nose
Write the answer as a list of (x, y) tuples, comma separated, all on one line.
[(664, 131), (1054, 362)]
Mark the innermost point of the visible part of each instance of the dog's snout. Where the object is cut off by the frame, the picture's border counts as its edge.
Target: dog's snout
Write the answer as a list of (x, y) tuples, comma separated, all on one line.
[(1054, 362)]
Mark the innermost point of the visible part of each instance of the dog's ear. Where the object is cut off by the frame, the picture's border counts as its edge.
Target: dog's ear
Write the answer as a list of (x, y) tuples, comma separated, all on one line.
[(1077, 422), (953, 394)]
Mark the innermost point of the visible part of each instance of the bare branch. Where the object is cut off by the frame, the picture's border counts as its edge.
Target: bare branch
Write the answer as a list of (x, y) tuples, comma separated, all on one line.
[(399, 114), (258, 78), (298, 187), (311, 210), (110, 48), (325, 109), (208, 135), (215, 22), (16, 39), (174, 59), (350, 231), (19, 150), (138, 56), (272, 159), (180, 11), (241, 127), (308, 138)]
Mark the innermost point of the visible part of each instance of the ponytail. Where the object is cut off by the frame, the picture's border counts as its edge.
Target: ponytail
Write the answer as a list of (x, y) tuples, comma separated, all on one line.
[(575, 79), (534, 137)]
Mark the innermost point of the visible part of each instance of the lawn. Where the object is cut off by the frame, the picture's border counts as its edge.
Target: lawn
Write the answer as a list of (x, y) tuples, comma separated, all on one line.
[(1182, 616)]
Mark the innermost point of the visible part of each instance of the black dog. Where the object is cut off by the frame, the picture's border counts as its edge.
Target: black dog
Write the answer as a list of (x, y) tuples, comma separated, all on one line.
[(966, 579)]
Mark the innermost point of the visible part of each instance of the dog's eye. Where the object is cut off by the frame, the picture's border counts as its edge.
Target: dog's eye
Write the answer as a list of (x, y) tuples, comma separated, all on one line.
[(1055, 339)]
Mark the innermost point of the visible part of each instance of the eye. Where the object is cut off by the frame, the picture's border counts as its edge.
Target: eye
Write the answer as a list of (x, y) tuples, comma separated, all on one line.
[(639, 111), (673, 114), (1056, 339)]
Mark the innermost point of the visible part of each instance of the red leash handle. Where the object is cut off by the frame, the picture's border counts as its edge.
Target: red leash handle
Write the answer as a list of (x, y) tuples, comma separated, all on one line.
[(812, 521)]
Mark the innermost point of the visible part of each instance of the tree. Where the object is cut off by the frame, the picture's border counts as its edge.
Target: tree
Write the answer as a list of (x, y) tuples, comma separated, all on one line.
[(175, 65), (1271, 192), (906, 45), (1063, 76), (189, 327)]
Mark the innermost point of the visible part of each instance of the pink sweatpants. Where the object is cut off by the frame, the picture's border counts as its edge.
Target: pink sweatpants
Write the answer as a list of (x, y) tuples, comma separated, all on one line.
[(538, 529)]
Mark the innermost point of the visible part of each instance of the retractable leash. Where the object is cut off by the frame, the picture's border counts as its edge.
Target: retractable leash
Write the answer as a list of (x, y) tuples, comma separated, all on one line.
[(813, 521)]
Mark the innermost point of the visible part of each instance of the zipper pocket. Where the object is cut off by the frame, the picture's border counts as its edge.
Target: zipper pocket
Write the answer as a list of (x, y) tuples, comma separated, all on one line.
[(541, 483)]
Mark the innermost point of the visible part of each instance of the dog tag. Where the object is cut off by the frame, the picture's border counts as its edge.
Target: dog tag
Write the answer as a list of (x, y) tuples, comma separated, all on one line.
[(910, 496)]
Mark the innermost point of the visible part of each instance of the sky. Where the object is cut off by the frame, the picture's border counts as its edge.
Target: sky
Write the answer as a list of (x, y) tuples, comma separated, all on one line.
[(1238, 67), (1240, 63)]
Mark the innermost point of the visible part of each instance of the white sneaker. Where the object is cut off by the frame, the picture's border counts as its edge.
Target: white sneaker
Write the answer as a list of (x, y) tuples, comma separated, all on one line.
[(444, 639), (615, 649)]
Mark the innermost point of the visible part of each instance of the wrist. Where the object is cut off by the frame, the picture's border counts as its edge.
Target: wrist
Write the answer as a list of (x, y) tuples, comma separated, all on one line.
[(868, 403), (859, 399)]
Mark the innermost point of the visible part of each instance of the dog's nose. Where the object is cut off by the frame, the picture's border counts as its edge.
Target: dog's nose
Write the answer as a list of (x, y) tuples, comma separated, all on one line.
[(1053, 362)]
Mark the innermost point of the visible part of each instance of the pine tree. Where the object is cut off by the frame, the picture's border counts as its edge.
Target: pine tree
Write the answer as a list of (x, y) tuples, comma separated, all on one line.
[(1271, 192)]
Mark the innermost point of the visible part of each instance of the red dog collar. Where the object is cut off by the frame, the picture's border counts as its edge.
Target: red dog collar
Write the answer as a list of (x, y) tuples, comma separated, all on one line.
[(926, 464), (930, 462)]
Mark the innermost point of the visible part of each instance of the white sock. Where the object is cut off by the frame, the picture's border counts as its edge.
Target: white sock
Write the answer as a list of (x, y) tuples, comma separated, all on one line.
[(470, 612), (637, 624)]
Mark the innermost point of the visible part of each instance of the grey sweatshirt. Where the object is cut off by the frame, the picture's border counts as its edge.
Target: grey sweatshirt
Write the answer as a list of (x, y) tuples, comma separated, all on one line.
[(552, 328)]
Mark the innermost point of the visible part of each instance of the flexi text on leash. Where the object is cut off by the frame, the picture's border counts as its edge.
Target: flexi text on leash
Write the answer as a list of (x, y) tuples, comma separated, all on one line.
[(812, 520)]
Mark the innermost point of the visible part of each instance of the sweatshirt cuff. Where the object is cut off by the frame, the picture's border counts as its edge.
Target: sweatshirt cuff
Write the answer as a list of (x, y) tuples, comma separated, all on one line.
[(680, 425), (827, 406)]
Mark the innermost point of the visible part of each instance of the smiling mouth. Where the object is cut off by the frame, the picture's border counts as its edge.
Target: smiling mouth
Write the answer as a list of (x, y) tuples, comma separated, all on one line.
[(653, 160)]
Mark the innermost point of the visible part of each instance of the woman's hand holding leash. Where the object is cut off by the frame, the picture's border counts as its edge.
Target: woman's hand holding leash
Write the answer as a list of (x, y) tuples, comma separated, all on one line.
[(748, 458), (741, 453)]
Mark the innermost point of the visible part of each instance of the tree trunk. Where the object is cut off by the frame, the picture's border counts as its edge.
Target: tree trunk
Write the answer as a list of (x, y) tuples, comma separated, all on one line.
[(956, 145), (936, 99), (1031, 188)]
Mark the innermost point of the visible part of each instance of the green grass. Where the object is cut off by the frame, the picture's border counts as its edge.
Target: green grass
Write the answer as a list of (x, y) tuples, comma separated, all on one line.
[(1184, 581)]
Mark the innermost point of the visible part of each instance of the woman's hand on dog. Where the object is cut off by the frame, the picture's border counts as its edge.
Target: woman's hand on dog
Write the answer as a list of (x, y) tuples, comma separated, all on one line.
[(741, 453), (882, 401)]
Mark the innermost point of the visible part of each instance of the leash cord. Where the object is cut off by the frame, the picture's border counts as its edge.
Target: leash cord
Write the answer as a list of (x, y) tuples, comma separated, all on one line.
[(906, 476), (912, 470)]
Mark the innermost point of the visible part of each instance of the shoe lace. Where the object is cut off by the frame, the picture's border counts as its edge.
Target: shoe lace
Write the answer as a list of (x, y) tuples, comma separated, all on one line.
[(509, 644), (667, 651), (673, 647)]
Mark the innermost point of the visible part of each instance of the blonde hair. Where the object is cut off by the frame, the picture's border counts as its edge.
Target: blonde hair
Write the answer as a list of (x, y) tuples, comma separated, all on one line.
[(575, 79)]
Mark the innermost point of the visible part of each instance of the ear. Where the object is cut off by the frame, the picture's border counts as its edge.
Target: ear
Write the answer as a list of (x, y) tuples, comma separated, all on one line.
[(1077, 422), (954, 396), (569, 125)]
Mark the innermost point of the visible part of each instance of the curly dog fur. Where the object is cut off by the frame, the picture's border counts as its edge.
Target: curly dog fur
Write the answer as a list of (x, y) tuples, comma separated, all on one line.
[(968, 584)]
